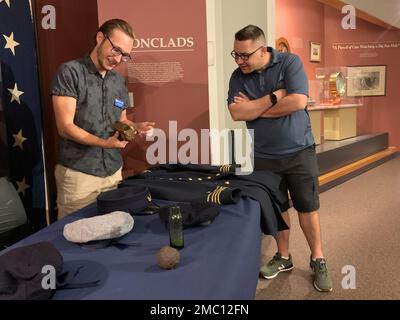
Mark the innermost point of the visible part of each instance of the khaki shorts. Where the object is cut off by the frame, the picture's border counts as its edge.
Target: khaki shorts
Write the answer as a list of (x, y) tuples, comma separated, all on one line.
[(76, 190)]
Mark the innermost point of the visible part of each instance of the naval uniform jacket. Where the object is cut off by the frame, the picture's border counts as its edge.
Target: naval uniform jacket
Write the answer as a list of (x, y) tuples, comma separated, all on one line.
[(217, 184)]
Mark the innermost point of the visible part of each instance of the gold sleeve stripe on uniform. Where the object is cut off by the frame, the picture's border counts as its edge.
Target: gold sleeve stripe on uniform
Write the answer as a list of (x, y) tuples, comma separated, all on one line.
[(210, 197), (224, 168), (218, 196), (215, 195)]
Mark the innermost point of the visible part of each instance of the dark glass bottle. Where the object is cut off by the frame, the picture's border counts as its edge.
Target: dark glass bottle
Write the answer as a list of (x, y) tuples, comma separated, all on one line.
[(175, 228)]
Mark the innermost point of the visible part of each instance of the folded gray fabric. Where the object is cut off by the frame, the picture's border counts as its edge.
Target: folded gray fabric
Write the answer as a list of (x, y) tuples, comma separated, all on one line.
[(106, 226)]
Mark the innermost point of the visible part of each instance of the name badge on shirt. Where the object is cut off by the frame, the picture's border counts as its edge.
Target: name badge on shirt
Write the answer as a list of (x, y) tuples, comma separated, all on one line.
[(119, 104)]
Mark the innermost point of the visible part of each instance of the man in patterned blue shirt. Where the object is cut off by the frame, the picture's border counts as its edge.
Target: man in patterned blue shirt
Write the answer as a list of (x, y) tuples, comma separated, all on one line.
[(269, 91), (88, 98)]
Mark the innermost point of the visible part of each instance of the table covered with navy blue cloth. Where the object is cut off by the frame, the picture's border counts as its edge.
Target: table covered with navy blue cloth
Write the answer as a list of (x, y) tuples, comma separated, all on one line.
[(219, 261)]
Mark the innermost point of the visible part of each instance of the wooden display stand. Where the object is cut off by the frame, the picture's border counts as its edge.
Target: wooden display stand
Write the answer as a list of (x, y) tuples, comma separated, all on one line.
[(315, 119), (340, 121)]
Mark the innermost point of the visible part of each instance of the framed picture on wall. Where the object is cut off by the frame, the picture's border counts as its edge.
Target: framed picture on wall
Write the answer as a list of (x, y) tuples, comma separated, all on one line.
[(315, 52), (282, 45), (366, 81)]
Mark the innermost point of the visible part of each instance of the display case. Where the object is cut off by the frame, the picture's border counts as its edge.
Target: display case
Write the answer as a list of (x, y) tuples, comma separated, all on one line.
[(330, 88), (333, 112)]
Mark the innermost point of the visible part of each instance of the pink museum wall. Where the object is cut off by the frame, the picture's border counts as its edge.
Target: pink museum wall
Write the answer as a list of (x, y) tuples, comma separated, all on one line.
[(177, 32), (302, 21), (380, 113)]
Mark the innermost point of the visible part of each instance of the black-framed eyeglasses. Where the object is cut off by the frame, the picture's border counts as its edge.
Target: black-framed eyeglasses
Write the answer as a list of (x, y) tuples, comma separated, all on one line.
[(243, 56), (125, 57)]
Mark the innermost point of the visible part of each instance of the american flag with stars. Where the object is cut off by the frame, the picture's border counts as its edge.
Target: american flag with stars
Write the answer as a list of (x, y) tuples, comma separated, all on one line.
[(22, 108)]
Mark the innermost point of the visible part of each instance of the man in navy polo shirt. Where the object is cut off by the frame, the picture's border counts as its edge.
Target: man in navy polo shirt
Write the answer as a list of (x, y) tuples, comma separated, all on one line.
[(269, 91)]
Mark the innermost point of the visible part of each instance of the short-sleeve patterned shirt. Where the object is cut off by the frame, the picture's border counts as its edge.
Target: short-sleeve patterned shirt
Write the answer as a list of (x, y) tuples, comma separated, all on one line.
[(99, 103)]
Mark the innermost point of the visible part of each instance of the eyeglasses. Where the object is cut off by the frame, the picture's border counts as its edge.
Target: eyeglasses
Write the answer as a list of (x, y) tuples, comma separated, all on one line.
[(126, 57), (243, 56)]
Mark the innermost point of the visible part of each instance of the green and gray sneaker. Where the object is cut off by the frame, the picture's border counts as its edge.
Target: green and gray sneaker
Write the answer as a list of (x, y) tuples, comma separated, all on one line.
[(322, 280), (276, 265)]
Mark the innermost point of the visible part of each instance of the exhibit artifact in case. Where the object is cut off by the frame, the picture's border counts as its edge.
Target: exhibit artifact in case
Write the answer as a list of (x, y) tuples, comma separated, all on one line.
[(329, 87)]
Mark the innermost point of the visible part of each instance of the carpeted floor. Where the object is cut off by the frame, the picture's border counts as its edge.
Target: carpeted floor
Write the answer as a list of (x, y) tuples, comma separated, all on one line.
[(360, 222)]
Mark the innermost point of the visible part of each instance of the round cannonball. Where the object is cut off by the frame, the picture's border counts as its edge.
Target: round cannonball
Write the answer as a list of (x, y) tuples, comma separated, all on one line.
[(168, 257)]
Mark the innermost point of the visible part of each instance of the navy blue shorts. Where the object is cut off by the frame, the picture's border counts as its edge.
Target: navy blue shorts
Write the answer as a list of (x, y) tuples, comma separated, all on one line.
[(300, 177)]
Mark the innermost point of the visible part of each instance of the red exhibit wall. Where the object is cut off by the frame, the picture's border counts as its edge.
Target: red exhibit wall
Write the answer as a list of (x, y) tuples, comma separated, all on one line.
[(168, 76), (379, 113), (302, 21)]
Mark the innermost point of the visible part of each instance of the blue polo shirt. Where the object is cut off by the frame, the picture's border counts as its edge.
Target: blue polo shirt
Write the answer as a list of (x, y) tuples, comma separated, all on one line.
[(276, 138)]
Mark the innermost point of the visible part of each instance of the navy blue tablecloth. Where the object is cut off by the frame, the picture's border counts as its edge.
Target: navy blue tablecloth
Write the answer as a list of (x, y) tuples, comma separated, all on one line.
[(219, 261)]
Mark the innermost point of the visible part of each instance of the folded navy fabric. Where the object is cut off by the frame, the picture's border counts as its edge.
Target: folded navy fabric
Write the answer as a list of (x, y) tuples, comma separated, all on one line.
[(130, 199)]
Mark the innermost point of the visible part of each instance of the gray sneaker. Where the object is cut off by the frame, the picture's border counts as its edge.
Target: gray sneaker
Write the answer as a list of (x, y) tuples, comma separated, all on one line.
[(276, 265), (322, 280)]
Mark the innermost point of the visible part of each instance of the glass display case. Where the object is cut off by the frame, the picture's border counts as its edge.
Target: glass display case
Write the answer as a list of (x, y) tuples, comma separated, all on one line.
[(333, 113), (330, 87)]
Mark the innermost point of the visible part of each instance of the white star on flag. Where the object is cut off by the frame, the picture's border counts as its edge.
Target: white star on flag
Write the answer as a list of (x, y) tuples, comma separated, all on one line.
[(22, 186), (15, 94), (19, 140), (10, 42), (6, 1)]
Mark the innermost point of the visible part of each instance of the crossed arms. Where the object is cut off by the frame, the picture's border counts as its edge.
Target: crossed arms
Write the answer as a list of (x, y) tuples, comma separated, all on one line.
[(244, 109)]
